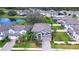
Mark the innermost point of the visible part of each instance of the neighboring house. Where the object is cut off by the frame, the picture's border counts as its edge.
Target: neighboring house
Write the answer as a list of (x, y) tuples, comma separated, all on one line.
[(3, 31), (23, 12), (18, 30), (13, 31), (71, 25), (41, 31), (2, 35)]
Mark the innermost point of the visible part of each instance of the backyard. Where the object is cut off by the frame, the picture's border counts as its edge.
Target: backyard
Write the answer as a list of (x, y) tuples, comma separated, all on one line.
[(61, 36), (65, 46)]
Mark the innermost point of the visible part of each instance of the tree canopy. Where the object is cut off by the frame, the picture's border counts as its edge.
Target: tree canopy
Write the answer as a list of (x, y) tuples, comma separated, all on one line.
[(35, 18)]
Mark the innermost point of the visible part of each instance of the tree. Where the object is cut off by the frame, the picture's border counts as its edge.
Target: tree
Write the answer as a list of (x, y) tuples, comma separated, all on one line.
[(30, 36), (65, 13), (73, 15), (2, 12), (35, 18), (12, 13)]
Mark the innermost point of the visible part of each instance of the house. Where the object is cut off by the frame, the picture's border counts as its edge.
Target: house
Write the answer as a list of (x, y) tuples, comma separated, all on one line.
[(42, 33), (72, 26), (42, 30), (3, 31), (18, 30), (23, 12)]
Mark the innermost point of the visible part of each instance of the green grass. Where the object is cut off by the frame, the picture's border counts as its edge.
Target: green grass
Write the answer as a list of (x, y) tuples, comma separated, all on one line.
[(6, 16), (21, 23), (22, 45), (50, 20), (15, 17), (27, 44), (3, 42), (57, 27), (61, 36), (65, 46)]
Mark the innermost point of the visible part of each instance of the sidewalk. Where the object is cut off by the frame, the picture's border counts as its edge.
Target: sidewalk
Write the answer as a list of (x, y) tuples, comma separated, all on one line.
[(62, 42), (59, 30)]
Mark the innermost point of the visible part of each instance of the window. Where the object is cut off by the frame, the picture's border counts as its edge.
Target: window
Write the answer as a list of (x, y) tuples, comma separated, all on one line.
[(23, 32), (11, 31), (1, 33)]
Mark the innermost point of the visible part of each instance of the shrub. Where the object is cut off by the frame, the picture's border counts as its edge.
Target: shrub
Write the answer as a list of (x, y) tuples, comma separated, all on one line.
[(12, 13), (2, 12)]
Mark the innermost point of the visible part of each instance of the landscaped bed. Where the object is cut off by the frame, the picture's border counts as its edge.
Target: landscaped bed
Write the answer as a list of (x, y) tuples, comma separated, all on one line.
[(57, 27), (3, 42), (61, 36), (65, 46)]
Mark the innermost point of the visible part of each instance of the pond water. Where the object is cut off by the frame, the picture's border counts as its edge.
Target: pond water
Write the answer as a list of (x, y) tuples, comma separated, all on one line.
[(10, 21)]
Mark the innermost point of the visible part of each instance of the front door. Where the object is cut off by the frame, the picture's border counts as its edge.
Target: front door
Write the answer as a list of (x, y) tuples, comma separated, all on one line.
[(39, 37)]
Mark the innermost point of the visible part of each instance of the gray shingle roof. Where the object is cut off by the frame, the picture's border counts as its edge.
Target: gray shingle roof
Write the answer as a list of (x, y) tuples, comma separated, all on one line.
[(18, 27), (4, 27), (39, 27), (21, 27)]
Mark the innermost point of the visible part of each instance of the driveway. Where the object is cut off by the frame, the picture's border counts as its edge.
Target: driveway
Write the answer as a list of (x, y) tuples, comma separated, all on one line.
[(46, 44), (8, 46)]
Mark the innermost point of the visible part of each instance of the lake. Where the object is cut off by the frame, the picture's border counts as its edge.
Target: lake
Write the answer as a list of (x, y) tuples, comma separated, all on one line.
[(10, 21)]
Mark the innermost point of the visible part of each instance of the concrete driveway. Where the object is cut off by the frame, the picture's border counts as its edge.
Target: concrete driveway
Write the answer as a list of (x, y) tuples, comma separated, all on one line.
[(8, 46), (46, 45)]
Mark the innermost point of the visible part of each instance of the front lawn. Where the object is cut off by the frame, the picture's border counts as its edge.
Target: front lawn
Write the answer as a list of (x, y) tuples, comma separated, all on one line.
[(26, 44), (61, 36), (57, 27), (22, 45), (65, 46)]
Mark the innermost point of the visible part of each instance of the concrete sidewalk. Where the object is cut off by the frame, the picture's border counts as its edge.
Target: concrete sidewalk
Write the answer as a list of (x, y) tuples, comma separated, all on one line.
[(54, 24), (59, 30), (62, 42)]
